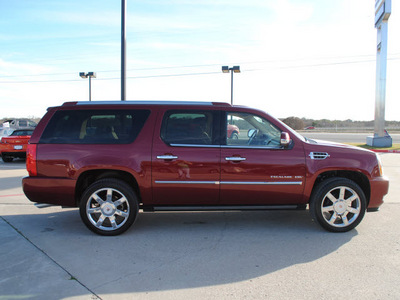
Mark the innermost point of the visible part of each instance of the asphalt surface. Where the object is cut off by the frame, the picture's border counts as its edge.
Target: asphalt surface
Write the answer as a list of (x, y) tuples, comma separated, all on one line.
[(49, 254)]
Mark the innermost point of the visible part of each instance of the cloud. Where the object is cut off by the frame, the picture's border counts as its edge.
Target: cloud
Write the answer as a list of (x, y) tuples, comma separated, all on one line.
[(10, 68)]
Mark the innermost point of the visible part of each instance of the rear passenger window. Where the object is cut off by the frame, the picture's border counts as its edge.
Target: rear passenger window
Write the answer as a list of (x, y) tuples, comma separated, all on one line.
[(94, 126), (188, 128)]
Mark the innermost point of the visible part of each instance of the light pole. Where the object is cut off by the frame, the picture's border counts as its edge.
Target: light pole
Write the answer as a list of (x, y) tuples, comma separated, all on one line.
[(123, 50), (90, 75), (234, 69)]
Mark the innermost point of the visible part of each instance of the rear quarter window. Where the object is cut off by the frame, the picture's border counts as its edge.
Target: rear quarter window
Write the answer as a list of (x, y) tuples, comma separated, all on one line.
[(94, 127)]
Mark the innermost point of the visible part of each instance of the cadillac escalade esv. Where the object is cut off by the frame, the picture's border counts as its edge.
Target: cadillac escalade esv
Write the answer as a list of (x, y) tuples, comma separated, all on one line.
[(111, 159)]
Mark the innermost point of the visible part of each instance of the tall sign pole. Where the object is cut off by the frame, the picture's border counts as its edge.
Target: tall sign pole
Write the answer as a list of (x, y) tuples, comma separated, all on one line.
[(123, 50), (383, 9)]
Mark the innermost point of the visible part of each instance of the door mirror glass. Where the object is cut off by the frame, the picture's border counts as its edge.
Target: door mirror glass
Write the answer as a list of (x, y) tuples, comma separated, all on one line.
[(285, 139), (251, 132)]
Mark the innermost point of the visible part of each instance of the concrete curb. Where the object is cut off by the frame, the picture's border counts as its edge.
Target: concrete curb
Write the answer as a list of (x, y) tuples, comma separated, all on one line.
[(385, 151)]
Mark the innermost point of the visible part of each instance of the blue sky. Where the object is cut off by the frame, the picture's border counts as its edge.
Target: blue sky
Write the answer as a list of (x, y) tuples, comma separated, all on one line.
[(304, 58)]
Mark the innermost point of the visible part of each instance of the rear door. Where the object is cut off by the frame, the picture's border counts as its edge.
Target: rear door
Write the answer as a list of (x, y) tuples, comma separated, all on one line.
[(186, 158)]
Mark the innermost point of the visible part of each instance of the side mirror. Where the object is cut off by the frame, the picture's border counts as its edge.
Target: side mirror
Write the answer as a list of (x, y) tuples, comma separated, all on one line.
[(285, 139), (251, 132)]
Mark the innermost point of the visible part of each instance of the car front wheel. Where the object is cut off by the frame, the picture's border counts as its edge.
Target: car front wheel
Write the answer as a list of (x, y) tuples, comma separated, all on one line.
[(338, 204), (109, 207)]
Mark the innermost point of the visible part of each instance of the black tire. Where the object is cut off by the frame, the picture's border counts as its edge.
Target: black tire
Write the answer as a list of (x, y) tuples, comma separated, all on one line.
[(234, 135), (109, 207), (338, 204), (6, 158)]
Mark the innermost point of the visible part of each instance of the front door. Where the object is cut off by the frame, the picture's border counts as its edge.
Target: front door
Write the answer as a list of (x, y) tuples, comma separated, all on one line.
[(255, 169)]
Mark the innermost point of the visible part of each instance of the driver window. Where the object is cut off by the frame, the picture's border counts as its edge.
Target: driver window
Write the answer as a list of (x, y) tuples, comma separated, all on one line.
[(250, 130)]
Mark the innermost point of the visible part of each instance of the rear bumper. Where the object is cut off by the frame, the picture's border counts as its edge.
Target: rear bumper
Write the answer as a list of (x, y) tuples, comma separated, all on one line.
[(58, 191), (379, 188)]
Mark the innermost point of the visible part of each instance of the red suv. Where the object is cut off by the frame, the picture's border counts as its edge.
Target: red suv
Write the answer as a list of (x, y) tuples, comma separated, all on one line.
[(111, 159)]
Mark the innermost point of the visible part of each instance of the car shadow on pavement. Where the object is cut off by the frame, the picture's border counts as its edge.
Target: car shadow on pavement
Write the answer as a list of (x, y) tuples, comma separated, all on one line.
[(10, 182), (179, 250)]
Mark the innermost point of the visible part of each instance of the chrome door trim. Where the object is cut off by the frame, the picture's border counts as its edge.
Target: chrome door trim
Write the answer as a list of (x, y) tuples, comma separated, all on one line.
[(195, 145), (262, 182), (184, 182), (230, 182), (252, 147)]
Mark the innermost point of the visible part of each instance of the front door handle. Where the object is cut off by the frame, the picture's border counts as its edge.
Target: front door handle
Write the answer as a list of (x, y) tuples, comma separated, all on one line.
[(167, 157), (235, 158)]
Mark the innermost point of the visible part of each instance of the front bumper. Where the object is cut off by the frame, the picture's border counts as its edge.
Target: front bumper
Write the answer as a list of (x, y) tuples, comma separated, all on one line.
[(379, 188)]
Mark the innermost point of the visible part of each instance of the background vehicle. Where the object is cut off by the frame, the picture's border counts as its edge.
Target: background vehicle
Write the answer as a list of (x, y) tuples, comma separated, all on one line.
[(14, 145), (233, 131), (19, 123), (111, 159)]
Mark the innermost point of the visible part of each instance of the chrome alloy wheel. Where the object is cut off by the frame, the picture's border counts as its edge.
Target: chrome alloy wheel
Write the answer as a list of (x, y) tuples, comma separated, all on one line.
[(107, 209), (341, 206)]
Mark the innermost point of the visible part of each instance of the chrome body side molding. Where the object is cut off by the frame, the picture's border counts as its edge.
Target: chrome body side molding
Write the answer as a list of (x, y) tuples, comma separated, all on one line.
[(230, 182)]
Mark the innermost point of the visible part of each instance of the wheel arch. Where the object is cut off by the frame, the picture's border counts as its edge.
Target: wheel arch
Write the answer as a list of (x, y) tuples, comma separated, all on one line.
[(359, 178), (88, 177)]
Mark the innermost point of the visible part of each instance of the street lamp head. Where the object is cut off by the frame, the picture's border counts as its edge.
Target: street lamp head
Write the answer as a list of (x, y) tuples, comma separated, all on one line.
[(91, 74), (236, 69), (88, 74)]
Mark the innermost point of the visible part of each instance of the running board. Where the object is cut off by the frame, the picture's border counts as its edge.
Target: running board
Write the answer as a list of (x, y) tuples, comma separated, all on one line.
[(43, 205), (221, 208), (46, 205)]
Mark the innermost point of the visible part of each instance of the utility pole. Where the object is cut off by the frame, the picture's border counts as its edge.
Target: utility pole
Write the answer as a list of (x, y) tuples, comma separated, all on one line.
[(123, 50)]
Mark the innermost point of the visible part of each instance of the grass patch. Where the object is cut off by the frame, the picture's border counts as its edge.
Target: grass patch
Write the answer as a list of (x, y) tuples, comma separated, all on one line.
[(365, 146)]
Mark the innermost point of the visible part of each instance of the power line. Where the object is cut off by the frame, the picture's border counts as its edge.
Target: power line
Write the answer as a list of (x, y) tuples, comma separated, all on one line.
[(200, 65), (114, 78), (186, 74)]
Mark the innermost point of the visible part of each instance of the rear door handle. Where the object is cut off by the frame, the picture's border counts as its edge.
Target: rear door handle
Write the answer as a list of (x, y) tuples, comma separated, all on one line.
[(235, 158), (167, 157)]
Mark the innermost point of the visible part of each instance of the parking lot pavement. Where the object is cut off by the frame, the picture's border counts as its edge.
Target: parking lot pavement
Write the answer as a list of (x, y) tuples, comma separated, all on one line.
[(49, 254)]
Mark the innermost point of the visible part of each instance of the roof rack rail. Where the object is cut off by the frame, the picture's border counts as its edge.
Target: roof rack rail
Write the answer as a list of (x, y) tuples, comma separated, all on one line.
[(145, 102)]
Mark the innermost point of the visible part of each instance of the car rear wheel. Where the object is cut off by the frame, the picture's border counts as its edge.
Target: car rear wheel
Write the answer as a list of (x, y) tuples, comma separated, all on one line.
[(338, 204), (6, 158), (109, 207)]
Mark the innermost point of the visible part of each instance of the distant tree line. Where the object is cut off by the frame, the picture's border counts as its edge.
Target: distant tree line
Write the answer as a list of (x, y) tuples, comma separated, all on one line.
[(299, 124)]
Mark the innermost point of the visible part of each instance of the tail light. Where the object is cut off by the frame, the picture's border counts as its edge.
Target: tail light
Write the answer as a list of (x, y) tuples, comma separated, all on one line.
[(31, 165), (379, 164)]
